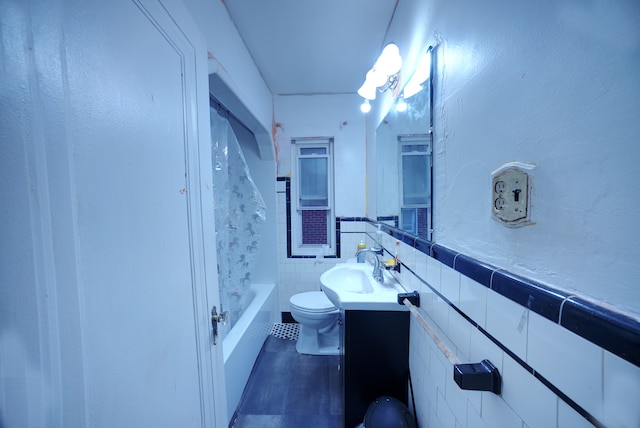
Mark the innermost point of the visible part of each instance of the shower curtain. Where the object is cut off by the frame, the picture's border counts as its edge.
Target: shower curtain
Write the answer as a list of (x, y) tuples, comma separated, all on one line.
[(239, 218)]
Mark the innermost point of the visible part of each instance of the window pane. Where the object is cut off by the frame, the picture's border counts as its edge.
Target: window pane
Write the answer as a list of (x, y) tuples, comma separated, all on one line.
[(416, 221), (315, 227), (305, 151), (418, 148), (415, 180), (409, 220), (314, 190)]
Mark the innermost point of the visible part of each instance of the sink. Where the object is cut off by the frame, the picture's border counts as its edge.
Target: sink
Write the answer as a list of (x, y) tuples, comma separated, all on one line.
[(349, 277), (350, 286)]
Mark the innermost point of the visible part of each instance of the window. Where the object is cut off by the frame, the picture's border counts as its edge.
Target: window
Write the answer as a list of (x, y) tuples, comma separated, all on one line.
[(313, 222), (415, 184)]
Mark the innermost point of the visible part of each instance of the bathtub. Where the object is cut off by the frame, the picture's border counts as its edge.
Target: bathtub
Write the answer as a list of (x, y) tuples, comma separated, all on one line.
[(243, 342)]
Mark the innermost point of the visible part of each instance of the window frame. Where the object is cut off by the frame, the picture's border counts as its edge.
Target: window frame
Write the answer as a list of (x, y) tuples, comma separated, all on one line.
[(297, 247), (422, 140)]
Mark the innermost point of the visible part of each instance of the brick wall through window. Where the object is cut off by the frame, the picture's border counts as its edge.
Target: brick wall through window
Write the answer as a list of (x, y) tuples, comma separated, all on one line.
[(314, 227)]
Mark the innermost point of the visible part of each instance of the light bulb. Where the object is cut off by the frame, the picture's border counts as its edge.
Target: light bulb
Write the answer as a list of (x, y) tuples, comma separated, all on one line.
[(365, 107)]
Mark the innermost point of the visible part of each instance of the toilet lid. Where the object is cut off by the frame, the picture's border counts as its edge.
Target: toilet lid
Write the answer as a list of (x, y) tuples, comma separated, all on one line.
[(312, 301)]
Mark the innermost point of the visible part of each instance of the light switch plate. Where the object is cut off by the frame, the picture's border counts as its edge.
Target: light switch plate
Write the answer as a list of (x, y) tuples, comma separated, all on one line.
[(511, 194)]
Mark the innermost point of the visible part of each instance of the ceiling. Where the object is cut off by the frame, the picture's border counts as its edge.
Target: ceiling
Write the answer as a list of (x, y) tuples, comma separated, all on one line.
[(313, 46)]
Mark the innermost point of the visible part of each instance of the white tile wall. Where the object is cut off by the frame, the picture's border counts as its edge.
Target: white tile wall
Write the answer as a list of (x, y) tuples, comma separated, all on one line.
[(474, 420), (527, 396), (507, 321), (440, 313), (434, 268), (621, 392), (301, 275), (353, 226), (458, 399), (568, 361), (497, 413), (444, 412), (605, 385), (450, 284), (568, 417), (473, 300), (420, 268), (460, 334)]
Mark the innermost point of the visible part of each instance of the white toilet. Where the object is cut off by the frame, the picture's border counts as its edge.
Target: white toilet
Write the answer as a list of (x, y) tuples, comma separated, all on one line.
[(318, 318)]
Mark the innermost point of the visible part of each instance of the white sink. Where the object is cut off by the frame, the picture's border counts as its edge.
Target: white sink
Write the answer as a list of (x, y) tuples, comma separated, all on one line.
[(351, 286), (347, 277)]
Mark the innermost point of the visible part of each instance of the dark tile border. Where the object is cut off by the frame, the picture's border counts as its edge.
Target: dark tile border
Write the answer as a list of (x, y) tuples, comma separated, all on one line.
[(540, 299), (611, 330), (393, 218), (614, 331), (443, 255), (290, 254), (286, 317), (478, 271)]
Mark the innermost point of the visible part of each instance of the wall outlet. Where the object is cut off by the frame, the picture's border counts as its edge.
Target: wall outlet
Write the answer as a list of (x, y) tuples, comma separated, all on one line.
[(511, 194)]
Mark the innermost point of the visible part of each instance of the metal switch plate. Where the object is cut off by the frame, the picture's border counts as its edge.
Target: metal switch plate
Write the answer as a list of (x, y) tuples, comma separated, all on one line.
[(511, 193)]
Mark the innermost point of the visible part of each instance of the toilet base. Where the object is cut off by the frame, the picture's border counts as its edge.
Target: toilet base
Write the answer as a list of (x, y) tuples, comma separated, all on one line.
[(311, 342)]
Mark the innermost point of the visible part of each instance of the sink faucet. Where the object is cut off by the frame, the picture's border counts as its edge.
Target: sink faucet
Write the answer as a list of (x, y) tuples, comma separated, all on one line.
[(377, 266)]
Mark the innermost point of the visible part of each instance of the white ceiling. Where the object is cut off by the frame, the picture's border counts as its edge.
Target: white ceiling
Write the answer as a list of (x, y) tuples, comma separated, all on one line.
[(313, 46)]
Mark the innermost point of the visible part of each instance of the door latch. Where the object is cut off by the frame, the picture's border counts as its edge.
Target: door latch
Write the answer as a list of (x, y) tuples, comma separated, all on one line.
[(216, 318)]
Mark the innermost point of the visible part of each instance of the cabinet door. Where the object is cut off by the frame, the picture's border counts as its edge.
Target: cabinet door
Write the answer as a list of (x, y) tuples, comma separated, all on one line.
[(376, 360)]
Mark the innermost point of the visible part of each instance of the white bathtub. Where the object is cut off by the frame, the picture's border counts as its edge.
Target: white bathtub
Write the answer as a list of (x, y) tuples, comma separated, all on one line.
[(243, 343)]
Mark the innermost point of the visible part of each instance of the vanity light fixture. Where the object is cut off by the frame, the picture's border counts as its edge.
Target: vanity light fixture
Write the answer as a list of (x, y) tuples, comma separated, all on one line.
[(384, 74), (401, 105), (422, 73)]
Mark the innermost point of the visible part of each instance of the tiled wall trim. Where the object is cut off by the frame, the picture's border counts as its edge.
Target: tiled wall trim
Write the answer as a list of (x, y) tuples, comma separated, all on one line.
[(593, 330), (287, 181), (611, 330), (602, 327), (584, 413)]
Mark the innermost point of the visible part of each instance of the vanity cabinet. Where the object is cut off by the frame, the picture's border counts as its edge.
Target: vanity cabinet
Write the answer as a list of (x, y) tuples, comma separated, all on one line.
[(375, 360)]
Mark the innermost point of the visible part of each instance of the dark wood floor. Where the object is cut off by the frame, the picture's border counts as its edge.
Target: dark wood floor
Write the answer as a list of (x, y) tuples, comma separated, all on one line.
[(287, 390)]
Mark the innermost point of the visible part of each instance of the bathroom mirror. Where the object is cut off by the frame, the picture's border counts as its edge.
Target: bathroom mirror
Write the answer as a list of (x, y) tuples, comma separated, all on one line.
[(403, 160)]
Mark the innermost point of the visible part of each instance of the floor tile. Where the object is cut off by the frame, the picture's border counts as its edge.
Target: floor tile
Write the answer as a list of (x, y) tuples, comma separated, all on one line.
[(287, 389)]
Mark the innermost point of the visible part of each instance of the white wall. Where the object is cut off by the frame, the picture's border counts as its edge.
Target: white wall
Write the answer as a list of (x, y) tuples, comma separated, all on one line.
[(335, 116), (232, 59), (556, 85), (552, 84)]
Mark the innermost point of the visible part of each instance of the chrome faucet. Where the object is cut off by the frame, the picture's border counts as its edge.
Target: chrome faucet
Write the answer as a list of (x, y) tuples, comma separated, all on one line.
[(377, 266)]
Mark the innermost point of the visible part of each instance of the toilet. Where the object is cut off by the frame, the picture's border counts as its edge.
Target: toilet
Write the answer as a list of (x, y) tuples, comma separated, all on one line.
[(318, 318)]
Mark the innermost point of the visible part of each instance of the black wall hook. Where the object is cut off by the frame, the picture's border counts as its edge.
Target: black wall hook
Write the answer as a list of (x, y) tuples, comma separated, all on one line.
[(413, 297), (482, 376)]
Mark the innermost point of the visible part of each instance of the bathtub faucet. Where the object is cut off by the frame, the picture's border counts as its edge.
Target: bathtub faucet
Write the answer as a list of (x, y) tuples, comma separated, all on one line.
[(377, 266)]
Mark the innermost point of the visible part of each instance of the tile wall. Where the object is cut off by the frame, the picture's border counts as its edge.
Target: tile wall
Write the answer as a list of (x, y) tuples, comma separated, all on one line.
[(297, 275), (551, 376)]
